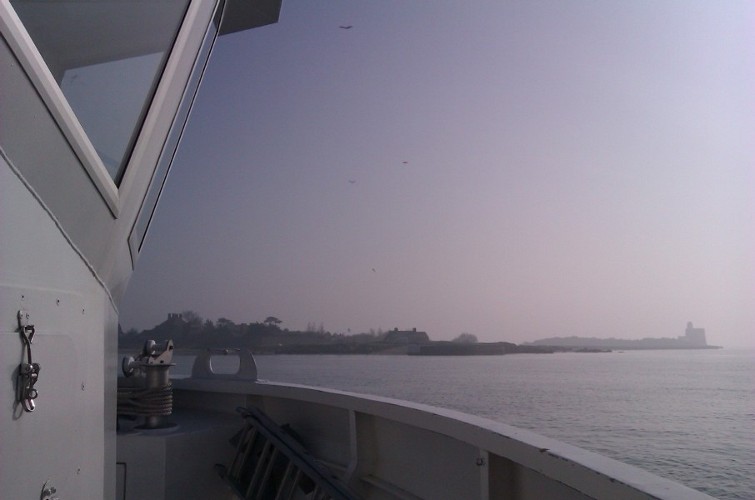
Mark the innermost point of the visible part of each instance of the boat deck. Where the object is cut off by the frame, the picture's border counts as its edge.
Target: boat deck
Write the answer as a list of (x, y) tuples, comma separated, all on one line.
[(381, 448)]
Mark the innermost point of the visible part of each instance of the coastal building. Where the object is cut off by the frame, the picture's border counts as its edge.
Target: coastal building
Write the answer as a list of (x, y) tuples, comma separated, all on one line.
[(694, 336), (412, 336), (175, 317)]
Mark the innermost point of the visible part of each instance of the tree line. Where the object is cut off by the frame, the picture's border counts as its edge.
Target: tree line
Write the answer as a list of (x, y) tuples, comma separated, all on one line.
[(190, 330)]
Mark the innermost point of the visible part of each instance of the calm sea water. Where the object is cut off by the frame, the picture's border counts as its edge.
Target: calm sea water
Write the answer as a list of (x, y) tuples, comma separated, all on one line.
[(685, 415)]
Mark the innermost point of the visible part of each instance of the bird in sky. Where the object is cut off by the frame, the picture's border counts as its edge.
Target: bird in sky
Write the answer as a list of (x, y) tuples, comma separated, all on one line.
[(352, 181), (405, 162), (347, 27)]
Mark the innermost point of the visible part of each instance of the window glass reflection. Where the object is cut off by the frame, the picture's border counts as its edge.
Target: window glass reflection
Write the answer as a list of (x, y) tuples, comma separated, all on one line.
[(107, 56)]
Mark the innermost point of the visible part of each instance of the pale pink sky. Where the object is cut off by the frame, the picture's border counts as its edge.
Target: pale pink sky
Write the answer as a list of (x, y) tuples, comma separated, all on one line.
[(573, 168)]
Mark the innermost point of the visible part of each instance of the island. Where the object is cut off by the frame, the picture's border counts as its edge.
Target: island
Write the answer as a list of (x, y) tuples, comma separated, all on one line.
[(693, 338), (189, 331)]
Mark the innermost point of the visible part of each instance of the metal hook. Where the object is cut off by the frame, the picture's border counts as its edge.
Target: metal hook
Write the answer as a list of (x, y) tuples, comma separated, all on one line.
[(28, 372), (28, 405)]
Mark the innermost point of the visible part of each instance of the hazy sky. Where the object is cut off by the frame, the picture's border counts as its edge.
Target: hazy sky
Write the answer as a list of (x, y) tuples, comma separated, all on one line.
[(515, 170)]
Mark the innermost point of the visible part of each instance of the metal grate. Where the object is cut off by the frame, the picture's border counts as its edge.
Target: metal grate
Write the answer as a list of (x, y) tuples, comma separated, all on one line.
[(271, 465)]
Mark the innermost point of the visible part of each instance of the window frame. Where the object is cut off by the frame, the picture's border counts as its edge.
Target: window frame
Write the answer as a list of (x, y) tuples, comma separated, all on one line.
[(160, 112), (151, 198)]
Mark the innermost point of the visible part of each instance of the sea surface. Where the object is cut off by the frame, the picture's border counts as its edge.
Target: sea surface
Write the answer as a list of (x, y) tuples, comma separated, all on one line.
[(685, 415)]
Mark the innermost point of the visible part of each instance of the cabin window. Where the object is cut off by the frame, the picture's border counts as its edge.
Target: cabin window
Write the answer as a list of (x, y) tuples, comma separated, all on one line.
[(139, 231), (107, 57)]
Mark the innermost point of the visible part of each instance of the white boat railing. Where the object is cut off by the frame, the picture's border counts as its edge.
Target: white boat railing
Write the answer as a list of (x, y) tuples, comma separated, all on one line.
[(386, 448)]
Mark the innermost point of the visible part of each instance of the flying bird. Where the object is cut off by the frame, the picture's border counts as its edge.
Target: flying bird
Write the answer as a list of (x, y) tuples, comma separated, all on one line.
[(405, 162), (352, 181), (373, 270), (347, 27)]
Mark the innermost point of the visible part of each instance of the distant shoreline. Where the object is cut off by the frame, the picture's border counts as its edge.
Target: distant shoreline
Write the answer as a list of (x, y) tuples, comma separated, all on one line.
[(646, 344), (193, 333), (618, 347), (433, 348)]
